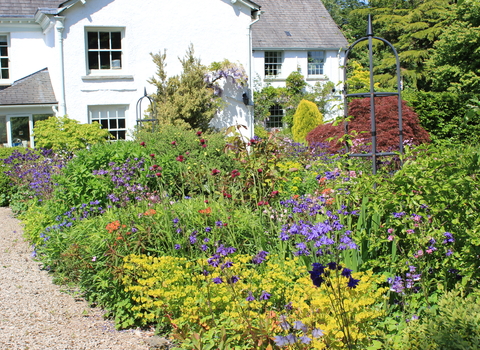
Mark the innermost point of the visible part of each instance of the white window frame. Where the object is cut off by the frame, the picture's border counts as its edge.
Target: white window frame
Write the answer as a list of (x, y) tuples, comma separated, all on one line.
[(275, 121), (110, 116), (115, 54), (6, 59), (315, 65), (273, 64), (30, 141)]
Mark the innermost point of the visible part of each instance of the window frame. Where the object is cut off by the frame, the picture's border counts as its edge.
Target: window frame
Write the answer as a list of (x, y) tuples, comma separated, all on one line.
[(113, 52), (275, 121), (115, 131), (274, 64), (7, 58), (315, 68)]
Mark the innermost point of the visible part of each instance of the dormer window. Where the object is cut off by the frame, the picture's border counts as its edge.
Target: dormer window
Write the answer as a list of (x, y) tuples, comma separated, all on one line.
[(104, 49)]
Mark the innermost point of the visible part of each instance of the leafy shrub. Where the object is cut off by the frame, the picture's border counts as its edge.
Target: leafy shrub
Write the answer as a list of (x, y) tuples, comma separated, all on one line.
[(306, 118), (6, 189), (443, 115), (454, 324), (386, 116), (63, 133)]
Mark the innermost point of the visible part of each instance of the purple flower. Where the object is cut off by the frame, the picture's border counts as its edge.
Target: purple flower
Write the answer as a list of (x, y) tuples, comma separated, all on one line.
[(178, 246), (233, 279), (448, 238), (300, 326), (449, 252), (352, 283), (250, 297), (208, 229), (217, 280), (398, 215), (346, 272), (227, 265), (265, 296), (317, 333), (260, 257)]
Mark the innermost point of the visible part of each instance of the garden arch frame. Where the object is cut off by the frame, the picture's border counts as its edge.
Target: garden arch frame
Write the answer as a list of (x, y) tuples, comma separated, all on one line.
[(372, 94)]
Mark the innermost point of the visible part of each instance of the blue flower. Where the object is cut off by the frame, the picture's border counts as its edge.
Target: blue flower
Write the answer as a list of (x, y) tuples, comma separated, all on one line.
[(352, 283), (217, 280), (346, 272)]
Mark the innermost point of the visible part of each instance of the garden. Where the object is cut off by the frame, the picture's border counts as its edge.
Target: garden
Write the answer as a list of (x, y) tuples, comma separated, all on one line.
[(217, 243)]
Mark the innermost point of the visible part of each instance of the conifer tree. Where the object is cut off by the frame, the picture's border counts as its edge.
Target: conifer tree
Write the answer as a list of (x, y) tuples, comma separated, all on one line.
[(306, 118)]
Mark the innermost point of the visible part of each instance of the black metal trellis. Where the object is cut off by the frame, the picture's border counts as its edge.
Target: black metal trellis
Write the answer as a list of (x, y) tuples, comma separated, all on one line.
[(372, 94), (153, 120)]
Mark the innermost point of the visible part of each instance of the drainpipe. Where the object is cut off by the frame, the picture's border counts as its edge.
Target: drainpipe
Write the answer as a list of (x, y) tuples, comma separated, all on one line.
[(59, 26), (250, 73)]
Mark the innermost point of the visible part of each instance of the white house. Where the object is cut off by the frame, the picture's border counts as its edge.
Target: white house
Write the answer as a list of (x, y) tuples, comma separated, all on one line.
[(90, 59), (296, 35)]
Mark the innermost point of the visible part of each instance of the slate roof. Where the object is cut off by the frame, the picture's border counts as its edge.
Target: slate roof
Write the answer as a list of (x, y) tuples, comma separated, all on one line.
[(25, 8), (33, 89), (307, 21)]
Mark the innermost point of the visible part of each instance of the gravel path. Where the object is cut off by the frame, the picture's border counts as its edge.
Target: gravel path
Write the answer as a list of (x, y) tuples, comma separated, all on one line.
[(35, 314)]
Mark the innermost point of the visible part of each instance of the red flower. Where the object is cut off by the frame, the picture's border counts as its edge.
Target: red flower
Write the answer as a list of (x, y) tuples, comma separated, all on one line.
[(227, 195), (215, 171), (152, 155), (260, 170), (142, 144), (199, 133), (225, 224), (154, 166), (202, 141), (173, 143), (205, 201), (262, 203), (253, 141), (158, 174), (273, 194), (204, 145), (235, 173), (180, 158)]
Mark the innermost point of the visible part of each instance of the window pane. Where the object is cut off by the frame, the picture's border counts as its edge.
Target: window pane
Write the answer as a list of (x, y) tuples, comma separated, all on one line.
[(93, 60), (276, 117), (104, 40), (3, 51), (121, 123), (113, 123), (5, 74), (121, 135), (116, 40), (3, 129), (3, 40), (104, 123), (104, 60), (92, 40), (4, 62), (116, 59)]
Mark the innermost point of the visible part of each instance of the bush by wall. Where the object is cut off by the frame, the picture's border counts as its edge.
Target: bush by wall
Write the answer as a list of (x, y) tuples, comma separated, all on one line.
[(306, 118), (386, 114)]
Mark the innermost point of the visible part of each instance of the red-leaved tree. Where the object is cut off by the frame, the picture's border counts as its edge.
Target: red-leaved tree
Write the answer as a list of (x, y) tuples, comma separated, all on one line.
[(386, 118)]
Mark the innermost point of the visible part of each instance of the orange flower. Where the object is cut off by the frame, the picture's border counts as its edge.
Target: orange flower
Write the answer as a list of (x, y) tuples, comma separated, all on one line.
[(327, 191), (205, 211), (295, 196), (113, 226), (150, 212), (330, 201)]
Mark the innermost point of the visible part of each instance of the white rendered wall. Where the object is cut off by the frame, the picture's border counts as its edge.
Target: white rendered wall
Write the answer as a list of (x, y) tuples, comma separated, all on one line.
[(297, 60), (217, 30), (29, 50)]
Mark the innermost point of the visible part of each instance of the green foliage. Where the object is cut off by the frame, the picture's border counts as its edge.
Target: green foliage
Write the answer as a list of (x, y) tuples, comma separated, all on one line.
[(445, 115), (455, 62), (306, 118), (6, 189), (186, 98), (63, 133), (454, 324)]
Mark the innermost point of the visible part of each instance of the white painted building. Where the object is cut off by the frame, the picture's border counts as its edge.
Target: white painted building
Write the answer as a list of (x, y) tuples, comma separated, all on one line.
[(297, 35), (90, 59)]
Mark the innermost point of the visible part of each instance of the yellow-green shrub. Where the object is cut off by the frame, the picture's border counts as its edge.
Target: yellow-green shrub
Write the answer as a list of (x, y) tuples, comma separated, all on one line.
[(306, 118), (169, 289)]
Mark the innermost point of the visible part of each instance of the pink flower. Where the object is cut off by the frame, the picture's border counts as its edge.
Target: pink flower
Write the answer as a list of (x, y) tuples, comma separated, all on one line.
[(215, 171), (429, 251), (419, 253), (204, 145), (390, 230), (410, 231), (391, 238), (173, 143), (180, 158), (94, 258), (152, 155), (158, 174), (260, 170), (273, 194)]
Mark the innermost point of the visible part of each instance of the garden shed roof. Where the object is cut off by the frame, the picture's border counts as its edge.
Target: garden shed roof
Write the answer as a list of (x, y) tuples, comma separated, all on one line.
[(33, 89), (25, 8), (296, 24)]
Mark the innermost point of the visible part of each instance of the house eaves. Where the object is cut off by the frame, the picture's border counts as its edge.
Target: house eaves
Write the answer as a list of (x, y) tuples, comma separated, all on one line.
[(252, 5)]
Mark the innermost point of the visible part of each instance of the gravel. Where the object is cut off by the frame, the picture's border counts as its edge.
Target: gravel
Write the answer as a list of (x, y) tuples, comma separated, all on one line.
[(36, 314)]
